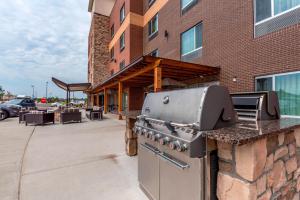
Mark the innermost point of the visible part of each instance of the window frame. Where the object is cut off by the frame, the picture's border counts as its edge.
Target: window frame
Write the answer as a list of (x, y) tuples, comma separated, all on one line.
[(195, 42), (112, 31), (188, 6), (122, 47), (273, 15), (151, 2), (112, 53), (152, 35), (122, 63), (273, 76), (122, 14), (154, 51)]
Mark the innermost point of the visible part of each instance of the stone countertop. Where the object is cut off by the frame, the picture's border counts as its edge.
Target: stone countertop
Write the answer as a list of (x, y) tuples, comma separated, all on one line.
[(245, 132), (131, 114)]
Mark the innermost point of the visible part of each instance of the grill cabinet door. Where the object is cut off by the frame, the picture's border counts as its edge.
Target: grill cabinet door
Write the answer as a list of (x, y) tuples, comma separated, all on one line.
[(181, 184), (148, 171)]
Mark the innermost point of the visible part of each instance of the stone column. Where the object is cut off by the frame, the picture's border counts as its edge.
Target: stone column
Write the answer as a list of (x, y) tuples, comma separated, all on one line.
[(265, 169), (130, 137)]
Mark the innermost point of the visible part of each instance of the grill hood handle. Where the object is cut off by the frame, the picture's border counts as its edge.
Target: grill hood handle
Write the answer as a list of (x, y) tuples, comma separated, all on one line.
[(217, 108), (273, 104)]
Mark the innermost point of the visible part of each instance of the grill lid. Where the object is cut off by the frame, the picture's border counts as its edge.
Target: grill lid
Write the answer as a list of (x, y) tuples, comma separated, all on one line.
[(208, 107)]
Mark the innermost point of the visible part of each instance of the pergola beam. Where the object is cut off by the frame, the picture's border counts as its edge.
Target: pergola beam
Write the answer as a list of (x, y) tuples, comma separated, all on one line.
[(142, 71)]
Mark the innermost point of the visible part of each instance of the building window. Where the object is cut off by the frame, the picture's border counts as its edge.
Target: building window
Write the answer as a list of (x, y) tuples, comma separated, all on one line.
[(266, 9), (122, 64), (122, 41), (191, 40), (112, 31), (150, 2), (187, 4), (154, 53), (122, 14), (112, 53), (287, 88), (153, 26)]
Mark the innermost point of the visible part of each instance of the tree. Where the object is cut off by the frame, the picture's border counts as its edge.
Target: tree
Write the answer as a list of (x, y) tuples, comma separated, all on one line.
[(2, 91)]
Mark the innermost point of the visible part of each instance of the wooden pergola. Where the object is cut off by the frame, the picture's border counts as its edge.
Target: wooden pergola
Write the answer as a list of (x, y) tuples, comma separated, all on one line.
[(149, 70), (71, 87)]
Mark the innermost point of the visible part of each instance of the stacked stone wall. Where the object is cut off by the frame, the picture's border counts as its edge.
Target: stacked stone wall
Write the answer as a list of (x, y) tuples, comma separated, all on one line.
[(265, 169)]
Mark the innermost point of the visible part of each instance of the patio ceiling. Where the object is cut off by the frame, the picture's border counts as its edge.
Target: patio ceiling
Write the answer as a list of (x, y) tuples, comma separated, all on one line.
[(103, 7), (141, 72)]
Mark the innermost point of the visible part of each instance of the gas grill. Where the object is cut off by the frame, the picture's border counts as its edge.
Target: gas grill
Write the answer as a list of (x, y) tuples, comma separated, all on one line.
[(172, 149), (255, 106)]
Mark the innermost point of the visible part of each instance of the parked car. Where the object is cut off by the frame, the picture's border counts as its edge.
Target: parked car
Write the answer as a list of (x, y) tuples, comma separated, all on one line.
[(56, 104), (78, 103), (11, 108)]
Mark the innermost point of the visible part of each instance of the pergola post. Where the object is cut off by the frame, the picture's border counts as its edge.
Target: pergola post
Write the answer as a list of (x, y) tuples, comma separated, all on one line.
[(92, 99), (105, 101), (120, 98), (157, 79), (97, 100)]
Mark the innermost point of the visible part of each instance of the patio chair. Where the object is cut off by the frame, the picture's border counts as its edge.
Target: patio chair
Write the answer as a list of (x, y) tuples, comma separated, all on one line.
[(70, 115), (95, 114), (39, 118)]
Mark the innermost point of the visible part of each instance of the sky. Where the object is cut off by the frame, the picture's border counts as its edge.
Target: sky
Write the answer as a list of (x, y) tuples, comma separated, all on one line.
[(40, 39)]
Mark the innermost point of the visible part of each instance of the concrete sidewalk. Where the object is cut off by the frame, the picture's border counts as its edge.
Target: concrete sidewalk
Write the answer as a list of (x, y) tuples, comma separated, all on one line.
[(74, 161), (13, 142)]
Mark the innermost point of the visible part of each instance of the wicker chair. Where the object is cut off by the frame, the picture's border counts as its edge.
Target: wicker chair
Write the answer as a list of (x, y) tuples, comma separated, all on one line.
[(70, 115)]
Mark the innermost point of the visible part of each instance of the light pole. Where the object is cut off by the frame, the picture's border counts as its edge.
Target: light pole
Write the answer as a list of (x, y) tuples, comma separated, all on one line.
[(32, 91), (47, 91)]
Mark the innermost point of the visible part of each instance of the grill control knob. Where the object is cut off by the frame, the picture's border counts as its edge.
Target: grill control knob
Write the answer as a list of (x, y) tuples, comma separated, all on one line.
[(181, 147), (138, 130), (178, 146), (149, 134), (144, 132), (156, 137), (173, 145), (164, 141)]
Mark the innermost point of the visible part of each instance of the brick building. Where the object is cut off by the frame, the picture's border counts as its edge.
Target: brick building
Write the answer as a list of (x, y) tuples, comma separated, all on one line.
[(255, 43)]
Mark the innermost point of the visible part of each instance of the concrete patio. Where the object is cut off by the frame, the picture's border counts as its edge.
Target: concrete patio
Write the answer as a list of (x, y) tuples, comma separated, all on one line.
[(73, 161)]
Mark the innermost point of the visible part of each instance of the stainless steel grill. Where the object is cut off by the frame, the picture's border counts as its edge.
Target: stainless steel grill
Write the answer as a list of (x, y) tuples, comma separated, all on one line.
[(255, 106), (172, 150)]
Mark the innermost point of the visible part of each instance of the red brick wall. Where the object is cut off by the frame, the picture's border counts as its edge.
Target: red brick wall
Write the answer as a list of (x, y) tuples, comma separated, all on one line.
[(133, 35), (228, 41), (98, 54)]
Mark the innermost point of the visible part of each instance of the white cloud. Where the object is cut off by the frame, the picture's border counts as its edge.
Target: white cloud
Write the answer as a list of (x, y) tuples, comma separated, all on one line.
[(40, 39)]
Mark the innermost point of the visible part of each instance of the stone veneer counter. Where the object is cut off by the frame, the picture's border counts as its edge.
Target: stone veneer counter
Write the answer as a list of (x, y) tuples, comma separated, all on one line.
[(258, 161), (244, 132)]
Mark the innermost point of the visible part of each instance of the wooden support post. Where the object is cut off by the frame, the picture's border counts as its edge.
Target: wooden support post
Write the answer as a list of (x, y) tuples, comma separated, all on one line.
[(157, 79), (105, 100), (120, 100), (92, 100), (97, 100)]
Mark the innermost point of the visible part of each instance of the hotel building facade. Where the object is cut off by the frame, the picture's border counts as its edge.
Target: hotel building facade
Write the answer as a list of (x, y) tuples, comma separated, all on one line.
[(254, 44)]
